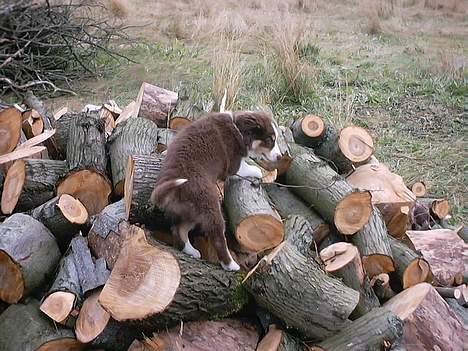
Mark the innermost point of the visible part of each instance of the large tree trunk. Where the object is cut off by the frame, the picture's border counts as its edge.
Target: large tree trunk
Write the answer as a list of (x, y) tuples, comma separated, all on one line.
[(23, 327), (329, 194), (155, 104), (87, 163), (255, 225), (30, 182), (28, 256), (10, 129), (287, 204), (443, 249), (346, 149), (226, 334), (154, 286), (343, 261), (63, 216), (429, 321), (410, 268), (375, 331), (140, 180), (374, 246), (136, 136), (294, 288), (278, 340)]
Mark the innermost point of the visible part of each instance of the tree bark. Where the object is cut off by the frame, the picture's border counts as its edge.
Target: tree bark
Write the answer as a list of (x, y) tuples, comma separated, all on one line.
[(439, 208), (62, 129), (141, 176), (165, 138), (226, 334), (154, 286), (278, 340), (299, 233), (287, 204), (10, 129), (156, 104), (30, 182), (28, 256), (64, 216), (343, 261), (136, 136), (374, 246), (23, 327), (106, 235), (443, 249), (87, 163), (410, 268), (381, 285), (329, 194), (255, 225), (429, 321), (374, 331), (295, 288)]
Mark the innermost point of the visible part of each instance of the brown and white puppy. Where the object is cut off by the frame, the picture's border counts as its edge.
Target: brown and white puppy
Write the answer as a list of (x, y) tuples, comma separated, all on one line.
[(210, 149)]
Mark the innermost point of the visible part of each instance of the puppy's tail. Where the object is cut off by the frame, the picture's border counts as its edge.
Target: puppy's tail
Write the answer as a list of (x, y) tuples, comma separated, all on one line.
[(161, 190)]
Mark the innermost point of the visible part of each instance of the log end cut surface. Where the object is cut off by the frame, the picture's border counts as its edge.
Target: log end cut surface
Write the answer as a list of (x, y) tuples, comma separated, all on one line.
[(178, 123), (418, 189), (312, 126), (12, 286), (92, 319), (353, 212), (260, 232), (58, 305), (10, 129), (65, 344), (418, 271), (13, 186), (356, 144), (91, 188), (72, 209), (378, 263)]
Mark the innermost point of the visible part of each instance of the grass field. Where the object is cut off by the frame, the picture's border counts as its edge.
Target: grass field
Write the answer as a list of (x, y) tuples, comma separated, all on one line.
[(396, 67)]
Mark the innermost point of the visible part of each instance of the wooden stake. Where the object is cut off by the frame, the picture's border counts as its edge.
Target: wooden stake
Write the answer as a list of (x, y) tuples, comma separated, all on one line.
[(155, 104)]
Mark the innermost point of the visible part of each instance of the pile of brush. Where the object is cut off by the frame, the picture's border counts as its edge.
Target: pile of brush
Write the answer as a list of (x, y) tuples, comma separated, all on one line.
[(337, 253)]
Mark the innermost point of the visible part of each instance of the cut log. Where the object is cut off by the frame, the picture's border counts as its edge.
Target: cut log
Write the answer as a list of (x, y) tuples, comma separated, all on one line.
[(397, 218), (23, 327), (443, 249), (107, 116), (94, 326), (381, 285), (30, 182), (294, 288), (165, 138), (330, 195), (10, 129), (127, 112), (155, 104), (429, 321), (28, 255), (154, 286), (141, 176), (439, 208), (420, 217), (63, 126), (87, 163), (299, 233), (377, 330), (33, 124), (287, 204), (63, 216), (410, 268), (374, 246), (343, 261), (106, 235), (136, 136), (346, 149), (65, 292), (226, 334), (419, 188), (254, 223), (459, 294), (462, 312), (278, 340)]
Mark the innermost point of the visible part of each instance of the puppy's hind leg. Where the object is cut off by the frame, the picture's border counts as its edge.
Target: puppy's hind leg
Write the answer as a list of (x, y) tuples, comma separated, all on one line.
[(181, 232)]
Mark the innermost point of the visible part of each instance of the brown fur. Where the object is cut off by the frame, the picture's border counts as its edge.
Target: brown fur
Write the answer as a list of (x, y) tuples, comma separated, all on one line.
[(208, 150)]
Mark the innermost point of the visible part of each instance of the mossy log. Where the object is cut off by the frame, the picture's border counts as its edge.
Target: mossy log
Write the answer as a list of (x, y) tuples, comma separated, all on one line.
[(287, 204), (154, 286), (64, 216), (254, 223), (31, 182), (375, 331), (410, 267), (87, 163), (343, 261), (279, 340), (25, 328), (135, 136), (155, 104), (429, 323), (328, 193), (10, 129), (28, 256), (294, 288)]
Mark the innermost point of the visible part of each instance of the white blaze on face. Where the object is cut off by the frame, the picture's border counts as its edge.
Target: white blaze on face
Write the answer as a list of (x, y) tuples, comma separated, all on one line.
[(275, 153)]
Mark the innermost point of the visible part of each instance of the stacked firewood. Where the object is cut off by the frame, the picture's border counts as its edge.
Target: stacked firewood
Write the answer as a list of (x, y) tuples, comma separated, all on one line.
[(337, 253)]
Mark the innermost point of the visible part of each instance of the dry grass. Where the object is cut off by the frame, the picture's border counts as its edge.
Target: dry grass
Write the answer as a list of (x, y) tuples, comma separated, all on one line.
[(450, 65), (450, 5), (119, 8)]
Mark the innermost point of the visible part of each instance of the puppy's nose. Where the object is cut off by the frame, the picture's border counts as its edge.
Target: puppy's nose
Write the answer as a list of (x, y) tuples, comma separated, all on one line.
[(278, 157)]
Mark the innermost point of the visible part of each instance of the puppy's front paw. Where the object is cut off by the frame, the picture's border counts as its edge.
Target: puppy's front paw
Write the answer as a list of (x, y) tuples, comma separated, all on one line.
[(232, 266), (191, 251), (253, 171)]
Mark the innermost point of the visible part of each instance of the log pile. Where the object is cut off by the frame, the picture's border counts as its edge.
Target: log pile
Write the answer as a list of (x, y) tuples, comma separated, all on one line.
[(336, 252)]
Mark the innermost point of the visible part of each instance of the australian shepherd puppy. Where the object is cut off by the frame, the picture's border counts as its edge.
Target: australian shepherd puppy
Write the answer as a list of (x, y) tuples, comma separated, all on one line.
[(210, 149)]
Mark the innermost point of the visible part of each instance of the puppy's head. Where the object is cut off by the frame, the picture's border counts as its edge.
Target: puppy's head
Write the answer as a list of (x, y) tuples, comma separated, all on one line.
[(260, 133)]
